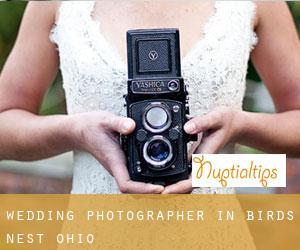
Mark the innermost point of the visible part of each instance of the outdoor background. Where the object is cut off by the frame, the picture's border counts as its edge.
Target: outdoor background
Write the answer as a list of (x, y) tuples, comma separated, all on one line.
[(54, 175)]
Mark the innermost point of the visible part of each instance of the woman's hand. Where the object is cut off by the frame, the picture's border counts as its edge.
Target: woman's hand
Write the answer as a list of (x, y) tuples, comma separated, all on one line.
[(218, 127), (98, 133)]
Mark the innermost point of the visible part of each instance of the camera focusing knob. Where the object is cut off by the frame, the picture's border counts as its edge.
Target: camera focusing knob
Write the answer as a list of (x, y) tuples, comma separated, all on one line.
[(141, 135), (176, 108), (174, 133)]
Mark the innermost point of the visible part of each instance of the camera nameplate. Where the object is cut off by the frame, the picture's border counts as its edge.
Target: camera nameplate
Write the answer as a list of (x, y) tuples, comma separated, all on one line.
[(153, 86)]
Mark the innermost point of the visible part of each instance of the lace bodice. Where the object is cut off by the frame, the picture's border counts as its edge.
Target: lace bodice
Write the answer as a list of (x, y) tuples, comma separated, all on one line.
[(94, 76)]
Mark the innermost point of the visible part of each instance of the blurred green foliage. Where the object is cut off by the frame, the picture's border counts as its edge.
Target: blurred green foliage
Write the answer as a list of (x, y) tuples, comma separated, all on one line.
[(10, 18), (295, 9)]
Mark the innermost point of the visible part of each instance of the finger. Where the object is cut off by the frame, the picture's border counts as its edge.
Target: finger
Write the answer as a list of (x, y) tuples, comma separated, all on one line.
[(211, 144), (126, 185), (181, 187), (112, 158), (134, 187), (203, 123), (115, 162), (108, 152), (123, 125)]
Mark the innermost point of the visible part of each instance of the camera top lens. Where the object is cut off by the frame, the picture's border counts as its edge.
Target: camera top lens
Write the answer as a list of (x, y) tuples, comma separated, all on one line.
[(157, 117)]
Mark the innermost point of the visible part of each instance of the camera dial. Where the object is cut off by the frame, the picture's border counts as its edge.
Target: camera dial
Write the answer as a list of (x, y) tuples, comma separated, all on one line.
[(173, 85), (158, 151)]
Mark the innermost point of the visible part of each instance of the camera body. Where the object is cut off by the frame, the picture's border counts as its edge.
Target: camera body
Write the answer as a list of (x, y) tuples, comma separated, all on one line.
[(157, 101)]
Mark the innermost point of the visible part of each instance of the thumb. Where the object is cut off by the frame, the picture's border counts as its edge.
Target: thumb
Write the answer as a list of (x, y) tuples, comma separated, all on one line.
[(120, 124)]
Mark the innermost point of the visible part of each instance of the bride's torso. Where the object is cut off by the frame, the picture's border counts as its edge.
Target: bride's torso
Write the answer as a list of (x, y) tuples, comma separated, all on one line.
[(116, 17), (216, 40)]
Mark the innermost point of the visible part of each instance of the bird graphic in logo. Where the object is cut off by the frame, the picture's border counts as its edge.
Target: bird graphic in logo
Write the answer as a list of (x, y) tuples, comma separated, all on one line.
[(153, 55)]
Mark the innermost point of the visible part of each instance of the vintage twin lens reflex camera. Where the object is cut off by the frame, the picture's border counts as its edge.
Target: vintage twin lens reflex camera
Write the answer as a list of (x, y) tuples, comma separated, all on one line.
[(157, 101)]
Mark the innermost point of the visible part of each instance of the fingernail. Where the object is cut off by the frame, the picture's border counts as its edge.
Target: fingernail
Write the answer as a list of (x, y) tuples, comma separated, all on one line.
[(189, 127), (126, 125), (159, 189)]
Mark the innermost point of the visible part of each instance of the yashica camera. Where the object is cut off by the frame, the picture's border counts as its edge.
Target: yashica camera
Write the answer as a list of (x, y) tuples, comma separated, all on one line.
[(157, 101)]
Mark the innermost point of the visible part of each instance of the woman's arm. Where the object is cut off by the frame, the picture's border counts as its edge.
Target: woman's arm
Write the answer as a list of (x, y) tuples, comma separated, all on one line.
[(277, 59), (28, 72), (26, 76)]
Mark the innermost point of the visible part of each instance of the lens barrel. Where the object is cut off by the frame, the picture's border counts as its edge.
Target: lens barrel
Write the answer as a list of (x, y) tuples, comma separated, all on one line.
[(157, 117), (158, 151)]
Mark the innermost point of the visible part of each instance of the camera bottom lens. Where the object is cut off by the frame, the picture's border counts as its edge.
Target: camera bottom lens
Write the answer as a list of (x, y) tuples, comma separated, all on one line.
[(158, 151)]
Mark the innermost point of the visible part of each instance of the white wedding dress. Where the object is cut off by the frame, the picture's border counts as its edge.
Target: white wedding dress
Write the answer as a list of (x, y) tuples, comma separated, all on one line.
[(94, 76)]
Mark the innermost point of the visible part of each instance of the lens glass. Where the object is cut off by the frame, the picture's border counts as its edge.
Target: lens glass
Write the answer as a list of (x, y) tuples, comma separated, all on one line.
[(157, 117), (158, 150)]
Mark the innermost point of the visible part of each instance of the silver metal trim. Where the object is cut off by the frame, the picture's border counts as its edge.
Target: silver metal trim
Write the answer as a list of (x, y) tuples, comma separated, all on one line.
[(172, 88), (152, 162), (145, 123)]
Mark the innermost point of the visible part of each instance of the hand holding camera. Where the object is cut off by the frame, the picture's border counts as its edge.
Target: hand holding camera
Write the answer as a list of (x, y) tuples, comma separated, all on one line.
[(98, 134), (218, 127)]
